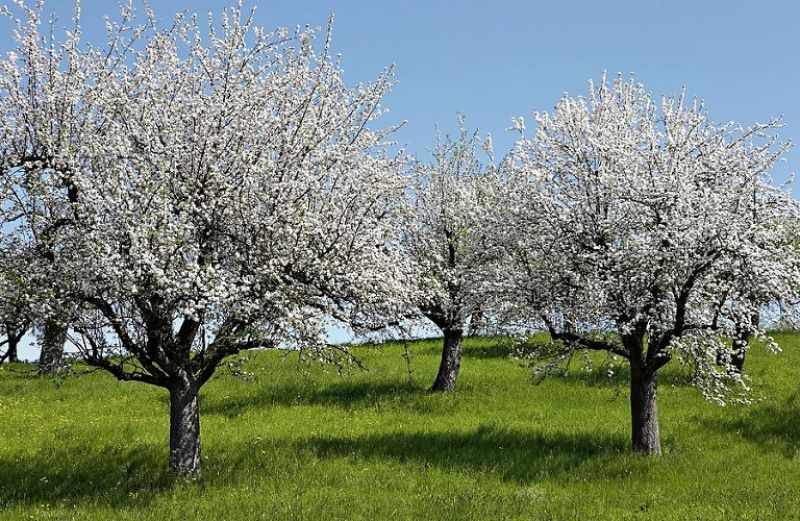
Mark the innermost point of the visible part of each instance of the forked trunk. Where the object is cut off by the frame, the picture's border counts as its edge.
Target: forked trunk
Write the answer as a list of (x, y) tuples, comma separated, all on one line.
[(451, 361), (184, 431), (53, 338), (644, 413)]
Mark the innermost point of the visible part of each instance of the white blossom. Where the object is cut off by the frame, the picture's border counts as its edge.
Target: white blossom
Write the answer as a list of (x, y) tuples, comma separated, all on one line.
[(652, 228)]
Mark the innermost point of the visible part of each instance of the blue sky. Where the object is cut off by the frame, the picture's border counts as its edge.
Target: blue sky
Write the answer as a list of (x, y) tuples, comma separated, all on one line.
[(492, 60), (496, 59)]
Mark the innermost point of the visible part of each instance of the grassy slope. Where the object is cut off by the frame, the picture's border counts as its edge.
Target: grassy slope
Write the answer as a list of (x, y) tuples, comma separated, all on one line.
[(373, 446)]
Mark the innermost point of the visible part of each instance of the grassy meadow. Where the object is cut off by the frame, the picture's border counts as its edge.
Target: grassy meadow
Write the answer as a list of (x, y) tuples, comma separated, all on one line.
[(288, 445)]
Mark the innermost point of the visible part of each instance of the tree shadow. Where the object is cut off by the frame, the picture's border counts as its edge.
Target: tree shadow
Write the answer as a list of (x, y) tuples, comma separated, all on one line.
[(118, 476), (483, 349), (773, 427), (599, 377), (345, 394), (136, 476), (475, 347), (518, 456)]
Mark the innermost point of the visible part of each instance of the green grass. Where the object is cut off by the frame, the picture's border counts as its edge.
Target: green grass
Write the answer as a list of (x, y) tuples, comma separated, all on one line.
[(374, 446)]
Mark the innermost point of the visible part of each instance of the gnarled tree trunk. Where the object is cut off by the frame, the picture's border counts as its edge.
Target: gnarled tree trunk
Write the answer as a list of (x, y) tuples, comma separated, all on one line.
[(644, 413), (184, 431), (53, 338), (451, 360)]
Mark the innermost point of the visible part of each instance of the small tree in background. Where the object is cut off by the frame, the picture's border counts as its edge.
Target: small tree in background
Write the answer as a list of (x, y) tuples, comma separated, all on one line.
[(28, 305), (12, 331), (653, 227), (16, 305), (446, 243), (198, 192)]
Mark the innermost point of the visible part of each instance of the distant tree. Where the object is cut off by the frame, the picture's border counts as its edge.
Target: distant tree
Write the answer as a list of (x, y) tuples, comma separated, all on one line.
[(445, 241), (741, 340), (26, 305), (12, 335), (745, 325), (16, 309), (197, 193), (650, 228)]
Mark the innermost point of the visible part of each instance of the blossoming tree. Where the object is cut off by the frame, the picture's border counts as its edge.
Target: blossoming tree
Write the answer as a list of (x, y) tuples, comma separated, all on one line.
[(198, 192), (16, 305), (653, 228), (445, 241)]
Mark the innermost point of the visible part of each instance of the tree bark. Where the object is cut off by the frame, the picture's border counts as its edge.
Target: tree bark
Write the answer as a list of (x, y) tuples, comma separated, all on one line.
[(12, 353), (644, 413), (451, 361), (184, 431), (53, 338)]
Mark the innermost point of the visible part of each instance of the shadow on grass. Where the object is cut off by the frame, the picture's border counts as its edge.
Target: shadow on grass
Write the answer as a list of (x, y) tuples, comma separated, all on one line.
[(350, 393), (512, 455), (133, 478), (109, 475), (599, 377), (476, 347), (343, 394), (483, 349), (773, 427)]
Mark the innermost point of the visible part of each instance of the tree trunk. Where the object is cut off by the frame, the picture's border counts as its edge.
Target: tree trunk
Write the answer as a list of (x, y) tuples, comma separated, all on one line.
[(741, 341), (184, 431), (53, 338), (12, 353), (644, 414), (475, 322), (451, 361), (570, 327), (14, 334)]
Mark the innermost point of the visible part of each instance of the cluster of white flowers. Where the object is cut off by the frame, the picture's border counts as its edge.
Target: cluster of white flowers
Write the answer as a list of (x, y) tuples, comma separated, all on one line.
[(444, 238), (645, 219), (198, 191)]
